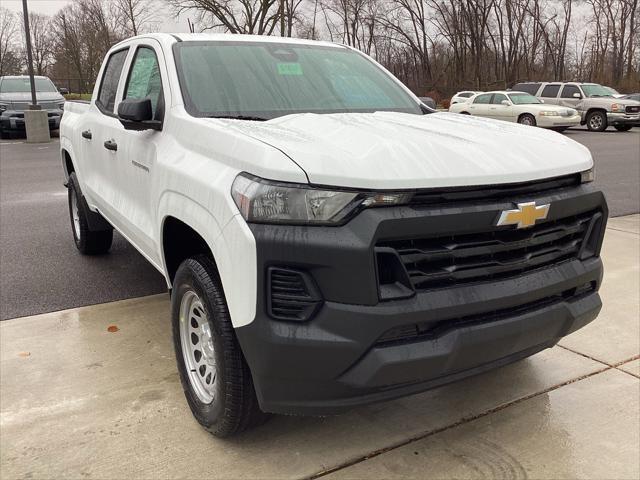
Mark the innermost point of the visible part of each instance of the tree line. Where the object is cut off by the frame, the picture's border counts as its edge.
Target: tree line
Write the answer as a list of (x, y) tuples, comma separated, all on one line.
[(434, 46)]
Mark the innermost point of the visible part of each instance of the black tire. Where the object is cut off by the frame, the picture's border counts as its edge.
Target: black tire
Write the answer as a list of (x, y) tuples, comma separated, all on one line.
[(559, 129), (234, 406), (87, 241), (597, 121), (465, 113), (527, 119), (623, 128)]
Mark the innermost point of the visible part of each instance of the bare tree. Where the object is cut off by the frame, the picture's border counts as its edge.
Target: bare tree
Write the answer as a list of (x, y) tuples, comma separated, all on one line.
[(42, 43), (139, 16), (10, 63), (259, 17)]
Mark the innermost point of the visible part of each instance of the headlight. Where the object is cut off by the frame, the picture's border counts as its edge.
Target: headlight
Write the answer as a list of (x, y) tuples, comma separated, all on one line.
[(616, 107), (588, 175), (265, 201), (61, 106), (3, 107), (550, 113)]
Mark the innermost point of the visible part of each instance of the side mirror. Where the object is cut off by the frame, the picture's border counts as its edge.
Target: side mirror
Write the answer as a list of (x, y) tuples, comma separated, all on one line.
[(505, 102), (137, 114), (429, 102), (577, 95)]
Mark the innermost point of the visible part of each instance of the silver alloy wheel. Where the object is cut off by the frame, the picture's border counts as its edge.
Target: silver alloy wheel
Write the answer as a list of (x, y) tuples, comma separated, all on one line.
[(75, 214), (197, 347), (526, 120), (595, 122)]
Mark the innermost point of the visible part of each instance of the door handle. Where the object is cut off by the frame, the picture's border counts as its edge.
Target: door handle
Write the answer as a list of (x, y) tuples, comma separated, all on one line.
[(111, 145), (86, 134)]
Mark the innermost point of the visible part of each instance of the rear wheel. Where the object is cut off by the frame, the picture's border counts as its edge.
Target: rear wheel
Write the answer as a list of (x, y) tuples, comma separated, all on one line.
[(597, 121), (527, 119), (88, 242), (215, 376), (559, 129), (465, 113), (623, 128)]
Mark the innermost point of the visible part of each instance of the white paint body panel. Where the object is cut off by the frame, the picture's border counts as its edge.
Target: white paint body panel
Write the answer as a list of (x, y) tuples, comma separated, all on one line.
[(186, 170)]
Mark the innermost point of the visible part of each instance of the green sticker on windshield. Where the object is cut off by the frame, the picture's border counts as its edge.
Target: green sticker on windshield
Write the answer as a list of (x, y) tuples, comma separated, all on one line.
[(289, 69)]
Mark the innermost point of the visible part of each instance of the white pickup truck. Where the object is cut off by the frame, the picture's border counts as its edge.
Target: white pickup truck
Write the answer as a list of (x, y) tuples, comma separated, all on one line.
[(327, 239)]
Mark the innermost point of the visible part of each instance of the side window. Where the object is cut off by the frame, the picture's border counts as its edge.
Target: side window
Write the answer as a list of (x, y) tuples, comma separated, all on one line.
[(569, 90), (550, 91), (465, 94), (531, 88), (144, 78), (484, 98), (498, 98), (110, 78)]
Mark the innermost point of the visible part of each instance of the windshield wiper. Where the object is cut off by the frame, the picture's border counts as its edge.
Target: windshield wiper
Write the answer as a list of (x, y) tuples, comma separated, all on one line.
[(240, 117)]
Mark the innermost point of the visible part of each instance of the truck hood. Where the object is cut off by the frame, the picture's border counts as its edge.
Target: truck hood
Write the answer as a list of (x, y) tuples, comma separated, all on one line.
[(21, 97), (608, 101), (387, 150)]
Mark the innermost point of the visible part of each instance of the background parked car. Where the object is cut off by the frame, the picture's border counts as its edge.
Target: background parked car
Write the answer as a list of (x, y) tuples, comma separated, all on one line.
[(463, 96), (428, 101), (519, 107), (632, 96), (15, 98), (597, 107)]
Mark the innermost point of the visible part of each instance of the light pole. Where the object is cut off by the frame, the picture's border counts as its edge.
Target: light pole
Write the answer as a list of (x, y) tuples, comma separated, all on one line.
[(36, 121)]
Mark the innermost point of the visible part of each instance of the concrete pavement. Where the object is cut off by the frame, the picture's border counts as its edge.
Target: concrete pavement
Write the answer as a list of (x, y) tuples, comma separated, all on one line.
[(79, 401)]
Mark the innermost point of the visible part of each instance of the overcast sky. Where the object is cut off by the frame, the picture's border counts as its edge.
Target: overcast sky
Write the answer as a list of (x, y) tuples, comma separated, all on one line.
[(50, 7)]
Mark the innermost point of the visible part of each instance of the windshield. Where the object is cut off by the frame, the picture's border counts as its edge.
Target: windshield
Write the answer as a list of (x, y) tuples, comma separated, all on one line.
[(523, 99), (22, 85), (267, 80), (595, 90)]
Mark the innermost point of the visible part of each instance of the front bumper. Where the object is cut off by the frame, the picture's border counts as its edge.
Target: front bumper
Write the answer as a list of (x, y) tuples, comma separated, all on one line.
[(623, 119), (14, 120), (343, 356)]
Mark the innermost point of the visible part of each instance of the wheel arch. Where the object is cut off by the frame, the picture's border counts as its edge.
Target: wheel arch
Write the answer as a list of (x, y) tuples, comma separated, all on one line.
[(179, 242)]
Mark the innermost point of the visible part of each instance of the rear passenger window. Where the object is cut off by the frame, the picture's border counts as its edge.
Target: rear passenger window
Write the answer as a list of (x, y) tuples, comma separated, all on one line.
[(530, 88), (465, 94), (569, 90), (484, 98), (550, 91), (110, 78)]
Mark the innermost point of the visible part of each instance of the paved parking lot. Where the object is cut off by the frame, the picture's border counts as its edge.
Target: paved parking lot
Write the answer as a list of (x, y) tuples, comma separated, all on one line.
[(43, 272), (77, 401)]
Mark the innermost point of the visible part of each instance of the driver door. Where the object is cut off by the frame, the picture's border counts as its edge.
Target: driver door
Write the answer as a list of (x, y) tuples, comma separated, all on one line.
[(567, 98)]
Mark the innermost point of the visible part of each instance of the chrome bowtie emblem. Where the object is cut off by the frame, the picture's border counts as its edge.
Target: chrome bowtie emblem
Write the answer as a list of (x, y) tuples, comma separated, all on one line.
[(526, 215)]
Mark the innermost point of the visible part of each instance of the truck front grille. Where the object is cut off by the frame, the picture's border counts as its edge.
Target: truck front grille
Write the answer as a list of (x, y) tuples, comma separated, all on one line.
[(632, 109), (483, 256), (495, 192)]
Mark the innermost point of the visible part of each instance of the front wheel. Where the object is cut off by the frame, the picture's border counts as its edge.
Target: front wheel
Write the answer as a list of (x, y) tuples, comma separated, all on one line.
[(214, 374), (88, 242), (597, 121), (623, 128), (527, 119)]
